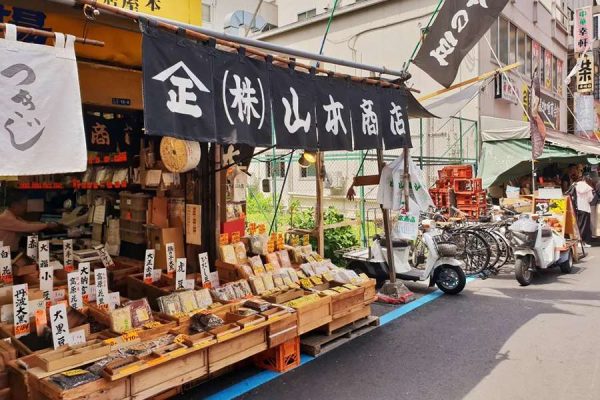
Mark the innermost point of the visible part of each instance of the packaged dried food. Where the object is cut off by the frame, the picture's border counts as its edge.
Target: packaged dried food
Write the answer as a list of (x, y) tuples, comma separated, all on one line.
[(257, 284), (120, 319), (141, 313), (203, 298), (169, 304), (204, 322), (73, 378), (284, 259), (228, 254), (187, 299), (273, 259), (240, 252)]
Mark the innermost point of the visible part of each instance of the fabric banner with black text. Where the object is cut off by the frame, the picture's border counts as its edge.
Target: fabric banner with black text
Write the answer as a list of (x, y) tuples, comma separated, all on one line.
[(196, 92), (366, 116), (178, 87), (41, 119), (333, 114), (243, 110), (395, 128), (459, 25), (293, 97)]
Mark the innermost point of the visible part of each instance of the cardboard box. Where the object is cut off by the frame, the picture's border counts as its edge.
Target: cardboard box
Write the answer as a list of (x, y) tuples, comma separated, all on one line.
[(159, 212), (159, 237)]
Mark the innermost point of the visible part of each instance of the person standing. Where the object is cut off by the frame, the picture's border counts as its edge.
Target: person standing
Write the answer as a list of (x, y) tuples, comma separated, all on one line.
[(12, 226), (585, 195)]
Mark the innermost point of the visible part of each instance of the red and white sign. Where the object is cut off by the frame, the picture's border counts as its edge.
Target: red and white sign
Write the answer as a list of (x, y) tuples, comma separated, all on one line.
[(583, 28)]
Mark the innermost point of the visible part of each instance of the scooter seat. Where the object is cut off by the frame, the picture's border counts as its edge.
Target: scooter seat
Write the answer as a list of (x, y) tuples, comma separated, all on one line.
[(546, 232)]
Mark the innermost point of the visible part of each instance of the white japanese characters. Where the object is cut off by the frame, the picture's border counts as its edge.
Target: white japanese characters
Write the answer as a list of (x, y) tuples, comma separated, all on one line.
[(245, 99), (370, 123), (292, 110), (397, 120), (334, 116), (183, 100), (449, 42)]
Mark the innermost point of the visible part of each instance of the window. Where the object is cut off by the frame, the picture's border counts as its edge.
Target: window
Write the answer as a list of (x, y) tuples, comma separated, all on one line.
[(494, 38), (528, 56), (503, 41), (307, 14), (521, 53), (512, 45), (206, 10), (554, 74), (596, 24), (280, 168), (309, 172), (542, 67)]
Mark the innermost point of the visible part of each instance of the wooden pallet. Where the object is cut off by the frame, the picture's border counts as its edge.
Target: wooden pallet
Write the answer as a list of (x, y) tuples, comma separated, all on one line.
[(315, 344)]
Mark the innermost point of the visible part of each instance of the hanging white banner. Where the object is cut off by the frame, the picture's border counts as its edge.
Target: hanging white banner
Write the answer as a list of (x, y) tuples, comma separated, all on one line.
[(41, 122)]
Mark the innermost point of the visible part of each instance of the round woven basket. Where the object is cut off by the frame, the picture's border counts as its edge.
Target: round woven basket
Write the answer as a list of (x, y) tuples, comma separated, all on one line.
[(179, 155)]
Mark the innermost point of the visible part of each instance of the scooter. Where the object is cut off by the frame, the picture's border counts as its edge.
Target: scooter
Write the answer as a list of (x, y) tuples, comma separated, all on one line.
[(441, 266), (537, 246)]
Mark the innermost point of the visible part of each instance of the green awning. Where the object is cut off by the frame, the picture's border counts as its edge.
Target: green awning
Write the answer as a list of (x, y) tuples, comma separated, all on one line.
[(504, 160)]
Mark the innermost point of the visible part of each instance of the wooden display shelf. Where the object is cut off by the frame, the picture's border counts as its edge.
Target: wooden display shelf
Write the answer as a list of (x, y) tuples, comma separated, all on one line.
[(314, 314), (72, 356), (351, 315), (236, 347), (100, 389)]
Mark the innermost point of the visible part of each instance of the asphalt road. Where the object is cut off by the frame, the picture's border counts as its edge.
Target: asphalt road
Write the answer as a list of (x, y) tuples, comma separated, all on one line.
[(496, 340)]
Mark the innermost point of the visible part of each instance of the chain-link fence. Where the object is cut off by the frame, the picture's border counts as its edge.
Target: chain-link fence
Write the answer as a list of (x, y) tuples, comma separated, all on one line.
[(289, 202)]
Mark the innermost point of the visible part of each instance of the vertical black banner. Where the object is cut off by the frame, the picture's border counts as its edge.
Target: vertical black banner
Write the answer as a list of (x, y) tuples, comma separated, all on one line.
[(242, 100), (365, 113), (334, 126), (459, 25), (178, 87), (395, 128)]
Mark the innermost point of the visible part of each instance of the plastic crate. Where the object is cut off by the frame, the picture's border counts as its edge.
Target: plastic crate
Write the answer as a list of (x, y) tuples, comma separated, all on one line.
[(456, 171), (467, 185), (282, 358)]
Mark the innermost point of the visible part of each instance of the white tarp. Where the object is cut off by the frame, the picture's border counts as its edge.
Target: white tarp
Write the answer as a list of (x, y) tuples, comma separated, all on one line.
[(451, 105), (493, 129), (41, 121)]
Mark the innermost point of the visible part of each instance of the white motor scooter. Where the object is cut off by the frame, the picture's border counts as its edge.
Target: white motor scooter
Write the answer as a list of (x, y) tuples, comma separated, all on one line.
[(537, 246), (442, 268)]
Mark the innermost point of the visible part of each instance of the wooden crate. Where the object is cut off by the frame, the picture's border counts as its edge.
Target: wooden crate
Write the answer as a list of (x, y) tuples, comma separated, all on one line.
[(137, 289), (284, 296), (72, 356), (314, 314), (282, 329), (236, 347), (354, 314), (342, 302), (176, 372), (227, 272), (370, 290), (100, 389)]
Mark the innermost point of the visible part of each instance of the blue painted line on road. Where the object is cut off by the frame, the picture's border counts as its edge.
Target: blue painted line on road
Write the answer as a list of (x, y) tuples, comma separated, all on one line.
[(251, 383)]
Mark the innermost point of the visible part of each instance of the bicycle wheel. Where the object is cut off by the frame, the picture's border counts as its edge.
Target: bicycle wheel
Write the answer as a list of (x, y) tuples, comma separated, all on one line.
[(505, 250), (494, 248), (473, 250)]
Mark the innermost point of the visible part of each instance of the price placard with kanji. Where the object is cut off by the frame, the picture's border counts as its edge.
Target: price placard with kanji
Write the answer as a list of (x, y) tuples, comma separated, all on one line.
[(6, 265), (84, 272), (170, 251), (69, 266), (21, 309), (149, 265)]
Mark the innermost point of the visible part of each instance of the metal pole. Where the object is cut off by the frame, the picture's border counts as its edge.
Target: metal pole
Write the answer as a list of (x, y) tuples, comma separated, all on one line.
[(239, 40), (386, 225), (421, 143), (460, 151), (363, 221)]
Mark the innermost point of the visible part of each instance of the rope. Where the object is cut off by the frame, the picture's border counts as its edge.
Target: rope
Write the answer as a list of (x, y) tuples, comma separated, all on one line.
[(424, 32)]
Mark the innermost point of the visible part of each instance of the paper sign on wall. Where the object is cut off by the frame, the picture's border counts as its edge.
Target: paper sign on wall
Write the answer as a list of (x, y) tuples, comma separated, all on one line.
[(59, 324), (149, 265), (6, 265), (101, 279), (47, 283), (170, 251), (68, 255), (84, 272), (204, 269), (180, 273), (74, 290), (193, 231), (21, 309), (32, 247), (43, 253)]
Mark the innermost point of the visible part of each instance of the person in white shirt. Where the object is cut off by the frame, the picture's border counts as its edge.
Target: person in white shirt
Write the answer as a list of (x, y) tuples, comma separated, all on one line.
[(585, 195)]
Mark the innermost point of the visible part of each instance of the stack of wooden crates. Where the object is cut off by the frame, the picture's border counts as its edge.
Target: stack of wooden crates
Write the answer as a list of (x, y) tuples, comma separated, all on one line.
[(468, 192), (134, 209)]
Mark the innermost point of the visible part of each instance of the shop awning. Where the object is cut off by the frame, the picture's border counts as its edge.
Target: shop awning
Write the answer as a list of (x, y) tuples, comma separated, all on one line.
[(510, 159)]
